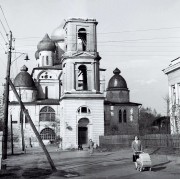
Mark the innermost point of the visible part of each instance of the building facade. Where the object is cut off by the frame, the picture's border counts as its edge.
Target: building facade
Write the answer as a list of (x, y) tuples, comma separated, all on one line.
[(65, 93), (173, 73), (121, 115)]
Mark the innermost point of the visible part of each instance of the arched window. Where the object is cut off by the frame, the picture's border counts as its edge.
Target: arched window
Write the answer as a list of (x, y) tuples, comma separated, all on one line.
[(42, 60), (48, 134), (83, 109), (47, 60), (120, 116), (47, 114), (82, 78), (82, 39), (46, 92), (124, 116)]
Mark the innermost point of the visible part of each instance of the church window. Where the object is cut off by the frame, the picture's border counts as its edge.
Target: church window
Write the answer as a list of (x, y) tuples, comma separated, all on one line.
[(42, 60), (84, 110), (48, 134), (47, 114), (120, 116), (82, 78), (82, 39), (47, 60), (124, 116), (46, 92)]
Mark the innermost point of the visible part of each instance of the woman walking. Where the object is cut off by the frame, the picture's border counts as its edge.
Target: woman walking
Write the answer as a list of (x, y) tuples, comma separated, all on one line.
[(137, 149)]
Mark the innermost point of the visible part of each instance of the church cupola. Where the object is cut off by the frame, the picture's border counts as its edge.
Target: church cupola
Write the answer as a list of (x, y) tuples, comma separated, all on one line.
[(46, 48), (37, 58), (117, 90), (25, 86), (58, 36)]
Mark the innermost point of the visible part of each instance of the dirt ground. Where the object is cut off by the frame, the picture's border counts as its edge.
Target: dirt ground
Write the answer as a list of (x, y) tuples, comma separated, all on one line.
[(104, 163)]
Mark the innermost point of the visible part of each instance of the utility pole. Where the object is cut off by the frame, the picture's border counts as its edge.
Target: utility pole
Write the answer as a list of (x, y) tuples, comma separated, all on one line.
[(33, 127), (12, 145), (6, 101), (22, 130)]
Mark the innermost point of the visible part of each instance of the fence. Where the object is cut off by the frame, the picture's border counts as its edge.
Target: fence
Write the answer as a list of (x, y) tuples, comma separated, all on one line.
[(152, 140)]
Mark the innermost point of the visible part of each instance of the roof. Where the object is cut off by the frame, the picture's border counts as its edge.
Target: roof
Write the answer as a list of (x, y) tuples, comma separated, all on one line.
[(40, 102), (58, 34), (116, 81), (121, 104), (24, 79), (46, 44)]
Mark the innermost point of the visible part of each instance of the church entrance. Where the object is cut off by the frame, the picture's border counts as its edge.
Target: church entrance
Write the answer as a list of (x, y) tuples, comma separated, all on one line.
[(83, 131)]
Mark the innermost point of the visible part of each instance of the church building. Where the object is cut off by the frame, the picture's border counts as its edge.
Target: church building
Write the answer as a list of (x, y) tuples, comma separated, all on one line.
[(65, 93)]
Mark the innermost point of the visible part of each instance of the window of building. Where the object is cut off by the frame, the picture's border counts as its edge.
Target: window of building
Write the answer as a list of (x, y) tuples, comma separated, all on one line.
[(47, 114), (47, 134), (42, 60), (173, 95), (82, 39), (46, 92), (47, 60), (84, 109), (124, 116), (82, 78), (120, 116)]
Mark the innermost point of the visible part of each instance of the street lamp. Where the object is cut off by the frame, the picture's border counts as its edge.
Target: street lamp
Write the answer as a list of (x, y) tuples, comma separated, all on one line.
[(26, 58)]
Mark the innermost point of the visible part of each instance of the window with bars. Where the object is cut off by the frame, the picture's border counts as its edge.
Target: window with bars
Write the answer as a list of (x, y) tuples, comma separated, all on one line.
[(120, 116), (124, 116), (47, 114), (48, 134)]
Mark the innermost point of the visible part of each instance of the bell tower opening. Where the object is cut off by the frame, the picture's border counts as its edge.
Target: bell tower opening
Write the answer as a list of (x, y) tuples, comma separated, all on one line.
[(82, 39), (82, 78)]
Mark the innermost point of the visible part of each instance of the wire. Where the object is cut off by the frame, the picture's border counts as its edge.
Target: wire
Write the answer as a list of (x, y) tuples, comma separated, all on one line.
[(3, 47), (3, 37), (143, 30), (5, 18), (3, 27)]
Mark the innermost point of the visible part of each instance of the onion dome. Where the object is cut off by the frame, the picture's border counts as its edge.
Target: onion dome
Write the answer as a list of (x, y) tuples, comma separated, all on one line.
[(117, 81), (37, 54), (24, 79), (46, 44), (58, 34)]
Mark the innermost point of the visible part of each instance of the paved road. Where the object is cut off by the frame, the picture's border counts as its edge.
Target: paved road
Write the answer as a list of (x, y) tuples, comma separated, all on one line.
[(105, 165)]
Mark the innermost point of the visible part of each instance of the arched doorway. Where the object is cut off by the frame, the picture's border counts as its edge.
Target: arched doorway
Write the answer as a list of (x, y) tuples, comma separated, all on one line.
[(83, 131), (48, 134)]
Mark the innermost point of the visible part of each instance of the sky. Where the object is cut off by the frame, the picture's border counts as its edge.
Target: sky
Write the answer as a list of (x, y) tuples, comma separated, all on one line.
[(140, 37)]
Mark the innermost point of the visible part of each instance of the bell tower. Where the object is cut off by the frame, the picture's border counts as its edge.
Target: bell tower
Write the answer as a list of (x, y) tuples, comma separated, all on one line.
[(81, 83), (81, 60)]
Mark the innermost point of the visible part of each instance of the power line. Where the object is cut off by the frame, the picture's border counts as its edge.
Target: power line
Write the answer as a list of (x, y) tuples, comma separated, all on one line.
[(3, 47), (134, 40), (5, 18), (3, 36), (143, 30), (3, 28)]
